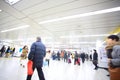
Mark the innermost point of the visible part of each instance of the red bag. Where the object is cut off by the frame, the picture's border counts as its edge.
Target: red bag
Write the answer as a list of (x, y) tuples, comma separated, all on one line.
[(30, 67)]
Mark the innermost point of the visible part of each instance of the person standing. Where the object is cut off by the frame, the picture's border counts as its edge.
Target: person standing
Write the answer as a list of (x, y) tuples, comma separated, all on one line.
[(58, 56), (95, 59), (114, 57), (90, 57), (48, 56), (82, 57), (76, 59), (37, 54), (7, 53), (65, 56), (13, 51), (2, 51)]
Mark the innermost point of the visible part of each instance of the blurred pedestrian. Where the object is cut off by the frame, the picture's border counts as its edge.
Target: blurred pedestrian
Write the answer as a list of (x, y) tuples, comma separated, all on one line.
[(24, 55), (37, 53), (113, 57), (95, 59)]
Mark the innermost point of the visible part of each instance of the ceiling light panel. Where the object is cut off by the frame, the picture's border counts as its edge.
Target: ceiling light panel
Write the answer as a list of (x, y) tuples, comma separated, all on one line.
[(82, 15), (17, 28), (11, 2)]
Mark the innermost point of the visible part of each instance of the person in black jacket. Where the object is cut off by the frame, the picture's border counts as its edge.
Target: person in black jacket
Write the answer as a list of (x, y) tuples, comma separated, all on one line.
[(37, 53), (2, 51), (83, 57), (7, 52), (95, 59)]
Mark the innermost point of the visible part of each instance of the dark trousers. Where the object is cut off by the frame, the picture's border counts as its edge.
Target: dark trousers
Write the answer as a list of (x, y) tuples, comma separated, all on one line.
[(95, 63), (40, 74), (65, 59), (96, 66), (83, 60), (48, 61)]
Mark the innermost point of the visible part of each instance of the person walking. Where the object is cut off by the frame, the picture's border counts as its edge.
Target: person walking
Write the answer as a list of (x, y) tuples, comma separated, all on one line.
[(37, 54), (58, 56), (95, 59), (23, 56), (113, 57)]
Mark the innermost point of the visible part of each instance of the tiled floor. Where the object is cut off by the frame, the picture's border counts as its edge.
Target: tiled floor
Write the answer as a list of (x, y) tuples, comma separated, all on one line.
[(10, 69)]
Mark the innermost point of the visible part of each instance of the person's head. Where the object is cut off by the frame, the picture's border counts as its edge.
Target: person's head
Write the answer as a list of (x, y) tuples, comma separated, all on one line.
[(49, 51), (25, 47), (9, 47), (38, 39), (94, 50), (112, 40)]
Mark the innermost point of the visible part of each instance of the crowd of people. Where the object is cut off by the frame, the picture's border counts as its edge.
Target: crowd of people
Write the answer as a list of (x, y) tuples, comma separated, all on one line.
[(7, 51), (67, 56), (38, 54)]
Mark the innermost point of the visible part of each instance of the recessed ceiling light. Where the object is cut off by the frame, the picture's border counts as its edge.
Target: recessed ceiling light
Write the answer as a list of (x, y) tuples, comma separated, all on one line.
[(11, 2)]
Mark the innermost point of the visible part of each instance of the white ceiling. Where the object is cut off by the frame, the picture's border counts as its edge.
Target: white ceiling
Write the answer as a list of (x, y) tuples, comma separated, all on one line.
[(32, 12)]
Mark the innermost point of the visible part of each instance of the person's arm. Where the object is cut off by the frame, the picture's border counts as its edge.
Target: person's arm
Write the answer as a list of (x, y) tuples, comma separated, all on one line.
[(45, 52), (32, 52), (116, 61)]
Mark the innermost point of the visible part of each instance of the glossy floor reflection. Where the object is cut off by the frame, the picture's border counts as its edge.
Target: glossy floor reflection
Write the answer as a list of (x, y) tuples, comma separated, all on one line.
[(10, 69)]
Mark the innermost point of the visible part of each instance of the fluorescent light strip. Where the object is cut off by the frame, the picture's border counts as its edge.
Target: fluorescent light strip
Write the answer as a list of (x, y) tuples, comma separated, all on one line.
[(0, 10), (83, 15), (82, 42), (12, 29), (79, 36), (53, 43)]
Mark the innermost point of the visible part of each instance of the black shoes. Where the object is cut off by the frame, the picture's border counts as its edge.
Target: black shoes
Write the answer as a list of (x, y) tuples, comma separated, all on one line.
[(108, 75), (95, 68)]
